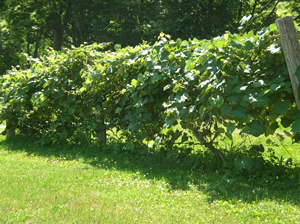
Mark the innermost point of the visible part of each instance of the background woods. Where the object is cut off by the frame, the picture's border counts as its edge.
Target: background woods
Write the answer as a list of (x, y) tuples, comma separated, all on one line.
[(30, 26)]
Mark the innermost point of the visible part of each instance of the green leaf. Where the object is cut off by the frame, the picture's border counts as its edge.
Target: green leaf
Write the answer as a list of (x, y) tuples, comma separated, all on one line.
[(169, 122), (249, 45), (257, 148), (248, 163), (134, 82), (190, 76), (236, 99), (276, 86), (238, 164), (190, 65), (216, 101), (118, 110), (245, 20), (256, 128), (71, 111), (232, 81), (181, 98), (184, 137), (295, 115), (239, 112), (117, 46), (295, 127), (158, 141), (258, 163), (164, 55), (297, 73), (133, 127), (260, 102), (259, 83), (128, 116), (184, 112), (296, 138), (230, 128), (280, 107), (166, 87), (226, 109), (285, 122), (273, 48), (176, 135), (63, 134)]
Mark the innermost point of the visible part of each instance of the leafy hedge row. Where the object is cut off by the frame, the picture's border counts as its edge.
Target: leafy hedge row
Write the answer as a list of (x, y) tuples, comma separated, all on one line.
[(155, 94)]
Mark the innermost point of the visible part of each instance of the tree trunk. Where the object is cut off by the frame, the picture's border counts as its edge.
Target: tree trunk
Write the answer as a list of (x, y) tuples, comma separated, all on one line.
[(208, 145), (207, 23), (57, 38), (62, 20), (37, 45)]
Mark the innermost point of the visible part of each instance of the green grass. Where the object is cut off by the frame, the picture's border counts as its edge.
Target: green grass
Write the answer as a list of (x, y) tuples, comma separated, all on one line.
[(73, 184)]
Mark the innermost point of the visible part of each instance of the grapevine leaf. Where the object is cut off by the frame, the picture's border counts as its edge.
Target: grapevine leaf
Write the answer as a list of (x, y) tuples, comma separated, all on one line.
[(297, 73), (238, 164), (239, 112), (230, 128), (158, 141), (164, 56), (249, 45), (216, 101), (190, 76), (71, 111), (295, 127), (63, 134), (273, 48), (134, 82), (280, 107), (133, 127), (169, 122), (226, 109), (118, 110), (248, 163), (184, 112), (296, 137), (245, 20), (256, 128), (295, 115), (259, 83), (181, 98), (286, 122)]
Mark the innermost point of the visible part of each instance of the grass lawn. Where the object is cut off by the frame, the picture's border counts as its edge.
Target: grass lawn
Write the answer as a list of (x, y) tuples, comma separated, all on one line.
[(73, 184)]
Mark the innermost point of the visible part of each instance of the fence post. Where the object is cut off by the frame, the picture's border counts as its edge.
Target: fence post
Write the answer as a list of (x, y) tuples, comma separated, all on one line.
[(291, 49)]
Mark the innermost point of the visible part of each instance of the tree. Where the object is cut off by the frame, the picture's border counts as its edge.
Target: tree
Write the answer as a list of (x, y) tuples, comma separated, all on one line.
[(10, 51), (36, 24), (289, 8)]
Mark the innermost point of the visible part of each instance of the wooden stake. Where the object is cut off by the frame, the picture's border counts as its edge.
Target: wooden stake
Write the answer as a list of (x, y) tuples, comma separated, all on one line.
[(291, 49)]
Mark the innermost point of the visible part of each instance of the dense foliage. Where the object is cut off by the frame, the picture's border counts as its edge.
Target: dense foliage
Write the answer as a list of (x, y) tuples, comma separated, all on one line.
[(30, 27), (155, 96)]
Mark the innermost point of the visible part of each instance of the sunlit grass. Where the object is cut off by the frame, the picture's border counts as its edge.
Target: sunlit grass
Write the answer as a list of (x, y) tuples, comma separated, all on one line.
[(69, 184)]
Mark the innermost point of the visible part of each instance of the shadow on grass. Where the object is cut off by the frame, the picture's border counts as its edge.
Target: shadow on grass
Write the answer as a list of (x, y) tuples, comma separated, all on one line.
[(179, 172)]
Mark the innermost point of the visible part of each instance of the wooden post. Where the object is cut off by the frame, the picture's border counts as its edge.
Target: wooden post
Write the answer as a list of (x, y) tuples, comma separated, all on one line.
[(291, 49)]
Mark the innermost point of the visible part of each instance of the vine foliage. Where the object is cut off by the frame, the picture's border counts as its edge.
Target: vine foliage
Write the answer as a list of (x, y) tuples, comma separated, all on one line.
[(183, 90)]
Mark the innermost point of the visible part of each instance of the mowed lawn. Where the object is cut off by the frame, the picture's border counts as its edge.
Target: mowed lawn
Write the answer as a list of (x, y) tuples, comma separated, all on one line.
[(72, 184)]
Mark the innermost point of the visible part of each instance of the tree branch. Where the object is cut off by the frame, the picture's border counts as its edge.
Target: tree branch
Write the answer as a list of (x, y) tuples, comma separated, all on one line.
[(113, 22), (208, 145)]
